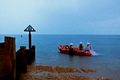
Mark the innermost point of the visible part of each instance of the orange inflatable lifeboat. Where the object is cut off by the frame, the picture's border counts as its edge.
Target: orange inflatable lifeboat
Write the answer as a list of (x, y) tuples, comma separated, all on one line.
[(66, 50)]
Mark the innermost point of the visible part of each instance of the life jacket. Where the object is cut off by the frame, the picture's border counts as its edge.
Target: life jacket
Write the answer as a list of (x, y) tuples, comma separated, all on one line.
[(80, 46), (89, 46), (71, 46)]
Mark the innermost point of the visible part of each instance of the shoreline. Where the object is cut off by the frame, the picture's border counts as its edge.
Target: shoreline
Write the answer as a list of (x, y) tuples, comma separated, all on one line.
[(39, 72)]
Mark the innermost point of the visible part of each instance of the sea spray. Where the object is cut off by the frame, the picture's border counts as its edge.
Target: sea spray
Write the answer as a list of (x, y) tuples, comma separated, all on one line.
[(94, 53)]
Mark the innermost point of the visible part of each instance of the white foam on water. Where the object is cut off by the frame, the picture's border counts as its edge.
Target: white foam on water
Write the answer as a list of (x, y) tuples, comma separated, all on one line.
[(94, 53)]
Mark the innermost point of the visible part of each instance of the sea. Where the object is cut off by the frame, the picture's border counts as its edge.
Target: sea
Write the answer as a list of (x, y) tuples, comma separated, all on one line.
[(106, 61)]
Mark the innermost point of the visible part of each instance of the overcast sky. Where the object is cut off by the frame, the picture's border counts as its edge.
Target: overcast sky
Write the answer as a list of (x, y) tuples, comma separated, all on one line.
[(60, 16)]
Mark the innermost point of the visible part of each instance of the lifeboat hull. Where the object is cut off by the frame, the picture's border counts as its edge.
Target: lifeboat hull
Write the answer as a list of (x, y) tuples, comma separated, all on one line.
[(64, 49)]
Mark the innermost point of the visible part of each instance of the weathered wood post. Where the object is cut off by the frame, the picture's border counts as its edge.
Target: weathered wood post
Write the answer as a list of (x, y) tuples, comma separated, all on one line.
[(21, 62), (2, 62), (33, 52), (10, 58), (29, 29), (28, 56)]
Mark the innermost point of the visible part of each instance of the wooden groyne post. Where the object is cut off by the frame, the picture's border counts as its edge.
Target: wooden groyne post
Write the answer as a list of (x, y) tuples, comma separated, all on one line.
[(2, 61), (8, 59), (21, 62)]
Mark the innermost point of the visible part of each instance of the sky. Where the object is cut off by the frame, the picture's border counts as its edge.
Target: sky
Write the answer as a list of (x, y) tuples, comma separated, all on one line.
[(60, 16)]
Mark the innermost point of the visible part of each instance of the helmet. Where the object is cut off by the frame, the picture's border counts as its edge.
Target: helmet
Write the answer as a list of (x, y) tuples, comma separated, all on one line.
[(71, 43), (88, 43), (80, 42)]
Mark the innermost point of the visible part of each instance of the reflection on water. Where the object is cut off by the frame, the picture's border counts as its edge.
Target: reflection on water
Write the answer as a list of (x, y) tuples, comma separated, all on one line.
[(71, 57)]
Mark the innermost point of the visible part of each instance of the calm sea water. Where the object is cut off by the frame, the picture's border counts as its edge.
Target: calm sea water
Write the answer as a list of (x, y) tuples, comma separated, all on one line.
[(106, 62)]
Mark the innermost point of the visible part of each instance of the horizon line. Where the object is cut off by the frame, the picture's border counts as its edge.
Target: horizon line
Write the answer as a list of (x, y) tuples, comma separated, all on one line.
[(58, 34)]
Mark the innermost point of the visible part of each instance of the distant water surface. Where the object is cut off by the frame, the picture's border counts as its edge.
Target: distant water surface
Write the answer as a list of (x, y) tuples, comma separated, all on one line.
[(106, 62)]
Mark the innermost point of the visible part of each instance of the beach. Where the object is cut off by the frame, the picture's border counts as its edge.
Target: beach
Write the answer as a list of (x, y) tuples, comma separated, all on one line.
[(40, 72)]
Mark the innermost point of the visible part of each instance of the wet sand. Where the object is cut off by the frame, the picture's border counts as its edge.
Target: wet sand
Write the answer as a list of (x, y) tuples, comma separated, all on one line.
[(40, 72)]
